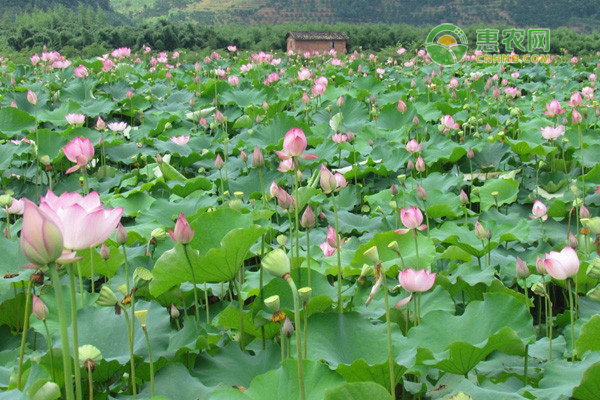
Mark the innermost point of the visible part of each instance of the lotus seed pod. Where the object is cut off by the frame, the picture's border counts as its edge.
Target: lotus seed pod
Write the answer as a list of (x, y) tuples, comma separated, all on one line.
[(305, 294), (273, 303), (372, 254)]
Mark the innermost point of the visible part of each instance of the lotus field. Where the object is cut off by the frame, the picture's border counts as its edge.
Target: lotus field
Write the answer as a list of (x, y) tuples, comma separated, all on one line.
[(281, 226)]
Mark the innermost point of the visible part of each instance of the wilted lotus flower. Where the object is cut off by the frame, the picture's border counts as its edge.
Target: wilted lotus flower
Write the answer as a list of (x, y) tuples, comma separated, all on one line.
[(80, 151)]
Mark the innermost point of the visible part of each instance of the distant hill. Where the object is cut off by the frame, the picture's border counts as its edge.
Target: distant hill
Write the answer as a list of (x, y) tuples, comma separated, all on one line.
[(579, 14), (27, 5)]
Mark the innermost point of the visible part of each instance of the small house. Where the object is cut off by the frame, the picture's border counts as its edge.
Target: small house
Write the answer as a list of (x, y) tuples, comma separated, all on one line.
[(301, 42)]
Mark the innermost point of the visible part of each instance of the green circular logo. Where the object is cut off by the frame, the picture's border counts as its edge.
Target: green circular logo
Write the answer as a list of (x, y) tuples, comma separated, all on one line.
[(446, 44)]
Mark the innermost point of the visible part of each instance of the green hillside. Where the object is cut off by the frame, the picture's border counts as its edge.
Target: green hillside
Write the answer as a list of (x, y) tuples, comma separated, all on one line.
[(547, 13)]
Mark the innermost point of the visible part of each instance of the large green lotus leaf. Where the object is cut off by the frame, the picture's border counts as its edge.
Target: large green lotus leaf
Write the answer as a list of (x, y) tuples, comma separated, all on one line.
[(361, 371), (589, 336), (13, 121), (589, 388), (392, 119), (216, 369), (50, 142), (229, 318), (457, 343), (349, 222), (93, 108), (428, 111), (503, 391), (561, 377), (101, 267), (440, 148), (506, 189), (211, 227), (357, 391), (344, 338), (189, 186), (269, 136), (406, 243), (134, 203), (243, 97), (354, 114), (57, 116), (11, 263), (282, 383), (175, 382)]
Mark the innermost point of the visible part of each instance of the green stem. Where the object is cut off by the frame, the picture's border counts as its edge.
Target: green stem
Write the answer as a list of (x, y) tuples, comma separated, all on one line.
[(525, 292), (90, 381), (573, 356), (195, 289), (419, 308), (64, 336), (282, 340), (7, 223), (416, 247), (307, 256), (305, 330), (150, 359), (77, 369), (80, 278), (24, 334), (131, 357), (338, 251), (261, 290), (207, 305), (526, 363), (49, 341), (297, 201), (92, 270), (290, 282), (241, 305), (582, 163), (389, 333)]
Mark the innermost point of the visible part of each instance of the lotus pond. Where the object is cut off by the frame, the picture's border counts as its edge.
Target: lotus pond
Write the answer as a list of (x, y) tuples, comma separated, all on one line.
[(281, 226)]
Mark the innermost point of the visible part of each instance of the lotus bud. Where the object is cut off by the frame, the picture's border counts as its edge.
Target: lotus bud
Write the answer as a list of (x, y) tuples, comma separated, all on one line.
[(243, 156), (366, 270), (593, 224), (45, 160), (584, 212), (158, 234), (39, 308), (276, 263), (281, 240), (470, 153), (421, 193), (104, 252), (394, 189), (174, 312), (107, 297), (540, 267), (121, 235), (372, 254), (31, 97), (463, 197), (41, 239), (410, 165), (594, 293), (182, 232), (287, 328), (219, 162), (365, 209), (273, 303), (305, 294), (593, 270), (480, 231), (538, 289), (522, 270), (420, 164), (351, 136), (573, 242), (308, 218)]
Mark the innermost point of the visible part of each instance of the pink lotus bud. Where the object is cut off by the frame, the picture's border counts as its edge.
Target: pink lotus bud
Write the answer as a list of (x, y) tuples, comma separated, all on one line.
[(470, 153), (129, 94), (576, 117), (420, 164), (192, 101), (39, 309), (219, 162), (174, 311), (31, 97), (284, 199), (410, 165), (13, 104), (584, 212), (273, 189), (480, 231), (41, 238), (305, 98), (573, 242), (104, 252), (539, 210), (401, 106), (488, 128), (327, 180), (121, 235), (463, 197), (351, 136), (203, 121), (100, 124), (415, 120), (294, 142), (219, 117), (539, 266), (332, 237), (243, 156), (340, 101), (257, 158), (308, 218), (287, 328), (522, 270), (340, 181), (182, 233), (394, 190), (421, 193), (168, 75), (159, 159)]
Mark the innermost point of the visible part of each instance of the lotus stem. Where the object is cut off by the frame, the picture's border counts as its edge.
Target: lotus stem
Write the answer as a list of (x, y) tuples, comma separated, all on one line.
[(416, 247), (307, 256), (49, 342), (64, 338), (24, 334), (526, 363), (77, 370), (92, 270), (389, 331), (90, 382), (241, 305), (150, 358), (131, 358), (573, 356), (339, 258), (297, 204), (195, 289), (296, 297), (207, 305)]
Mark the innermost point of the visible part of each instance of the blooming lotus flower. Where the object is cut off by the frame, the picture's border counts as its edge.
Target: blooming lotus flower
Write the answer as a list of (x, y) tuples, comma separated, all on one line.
[(562, 265), (318, 89), (303, 74), (80, 151), (81, 71), (329, 246), (553, 108), (83, 221), (412, 218), (231, 48), (233, 80), (180, 140), (294, 144), (539, 210), (41, 238), (575, 100), (551, 132), (453, 83), (182, 233), (588, 93), (416, 281), (448, 123), (117, 126), (75, 119), (339, 138), (16, 207), (413, 146), (340, 181)]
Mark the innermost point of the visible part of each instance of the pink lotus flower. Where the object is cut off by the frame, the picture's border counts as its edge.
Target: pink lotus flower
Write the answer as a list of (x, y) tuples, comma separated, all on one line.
[(576, 117), (231, 48), (303, 74), (575, 100), (219, 162), (100, 125), (75, 119), (511, 91), (182, 233), (80, 72), (401, 106), (294, 144), (16, 207), (588, 93), (39, 309), (340, 181), (562, 265), (257, 158), (329, 246), (521, 270), (327, 180), (413, 146), (117, 126), (308, 218), (31, 97), (80, 151), (453, 83), (551, 132), (420, 164), (448, 123), (286, 165), (83, 221), (416, 281), (180, 140), (412, 218), (285, 200), (41, 238), (553, 108), (233, 80), (539, 210), (339, 138)]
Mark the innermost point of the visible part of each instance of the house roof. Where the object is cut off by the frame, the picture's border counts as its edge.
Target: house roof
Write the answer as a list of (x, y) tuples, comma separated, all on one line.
[(317, 35)]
